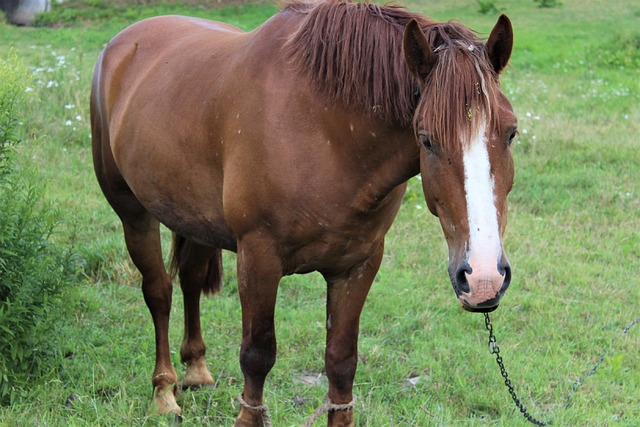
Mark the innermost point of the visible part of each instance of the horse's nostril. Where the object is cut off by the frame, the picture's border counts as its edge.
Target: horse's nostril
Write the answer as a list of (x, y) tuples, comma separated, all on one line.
[(462, 284), (505, 271)]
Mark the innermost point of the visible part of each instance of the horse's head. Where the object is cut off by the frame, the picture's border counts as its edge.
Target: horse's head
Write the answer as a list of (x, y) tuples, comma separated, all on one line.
[(465, 126)]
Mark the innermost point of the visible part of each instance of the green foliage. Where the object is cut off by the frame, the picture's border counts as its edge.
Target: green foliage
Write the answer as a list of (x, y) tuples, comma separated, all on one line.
[(33, 271), (74, 12), (548, 3), (11, 86), (487, 7), (621, 50)]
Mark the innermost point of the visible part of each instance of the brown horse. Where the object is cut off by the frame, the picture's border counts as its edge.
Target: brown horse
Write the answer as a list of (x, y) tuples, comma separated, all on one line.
[(292, 145)]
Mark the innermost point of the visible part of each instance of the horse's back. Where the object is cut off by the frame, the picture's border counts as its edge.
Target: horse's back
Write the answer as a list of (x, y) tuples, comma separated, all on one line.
[(141, 50), (158, 59)]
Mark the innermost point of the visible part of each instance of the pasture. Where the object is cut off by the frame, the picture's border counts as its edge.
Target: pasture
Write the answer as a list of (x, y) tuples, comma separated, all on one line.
[(573, 240)]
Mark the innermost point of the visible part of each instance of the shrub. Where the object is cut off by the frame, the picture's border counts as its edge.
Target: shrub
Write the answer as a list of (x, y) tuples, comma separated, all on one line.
[(10, 88), (34, 272), (487, 7), (619, 50), (548, 3)]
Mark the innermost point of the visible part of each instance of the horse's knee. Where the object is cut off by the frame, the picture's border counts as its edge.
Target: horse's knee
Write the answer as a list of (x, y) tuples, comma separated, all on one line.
[(157, 294), (340, 365), (258, 355)]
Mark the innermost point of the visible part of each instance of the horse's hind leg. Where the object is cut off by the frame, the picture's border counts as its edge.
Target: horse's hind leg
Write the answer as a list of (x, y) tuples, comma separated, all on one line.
[(199, 268), (142, 236), (143, 242)]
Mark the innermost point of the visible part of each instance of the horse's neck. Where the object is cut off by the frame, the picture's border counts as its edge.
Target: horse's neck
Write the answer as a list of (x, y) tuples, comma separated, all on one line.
[(386, 158), (378, 156)]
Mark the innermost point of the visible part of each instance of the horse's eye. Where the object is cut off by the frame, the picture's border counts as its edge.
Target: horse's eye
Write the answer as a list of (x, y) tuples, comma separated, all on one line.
[(513, 135), (425, 140)]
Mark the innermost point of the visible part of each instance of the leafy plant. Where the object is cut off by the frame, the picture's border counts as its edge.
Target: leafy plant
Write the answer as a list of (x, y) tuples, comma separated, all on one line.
[(548, 3), (487, 7), (10, 88), (33, 271), (620, 50)]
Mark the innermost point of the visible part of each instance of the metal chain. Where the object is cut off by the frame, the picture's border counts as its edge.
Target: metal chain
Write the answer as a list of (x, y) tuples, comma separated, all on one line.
[(494, 349), (593, 370)]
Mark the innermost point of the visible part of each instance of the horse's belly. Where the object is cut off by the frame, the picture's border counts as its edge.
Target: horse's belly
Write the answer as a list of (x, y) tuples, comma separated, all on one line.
[(203, 225), (184, 196)]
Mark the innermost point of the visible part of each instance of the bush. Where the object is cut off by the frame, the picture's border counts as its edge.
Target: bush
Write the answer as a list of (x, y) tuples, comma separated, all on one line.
[(10, 87), (487, 7), (619, 50), (548, 3), (34, 272)]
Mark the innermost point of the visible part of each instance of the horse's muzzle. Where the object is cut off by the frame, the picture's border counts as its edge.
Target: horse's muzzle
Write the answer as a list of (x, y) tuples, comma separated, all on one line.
[(481, 291)]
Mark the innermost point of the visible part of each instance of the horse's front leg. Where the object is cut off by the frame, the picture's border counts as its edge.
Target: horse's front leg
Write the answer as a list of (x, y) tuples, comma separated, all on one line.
[(345, 299), (259, 273)]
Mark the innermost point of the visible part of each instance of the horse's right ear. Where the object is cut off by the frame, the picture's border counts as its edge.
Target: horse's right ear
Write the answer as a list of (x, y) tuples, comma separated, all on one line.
[(417, 53), (500, 44)]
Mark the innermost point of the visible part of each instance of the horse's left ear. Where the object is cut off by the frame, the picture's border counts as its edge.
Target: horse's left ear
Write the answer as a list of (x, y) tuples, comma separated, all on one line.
[(418, 55), (500, 44)]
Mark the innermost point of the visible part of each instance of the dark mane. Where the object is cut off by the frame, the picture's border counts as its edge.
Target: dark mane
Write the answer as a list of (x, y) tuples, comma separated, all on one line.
[(352, 52)]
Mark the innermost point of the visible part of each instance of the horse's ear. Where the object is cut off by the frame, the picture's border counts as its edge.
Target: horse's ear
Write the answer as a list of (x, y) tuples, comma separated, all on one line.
[(417, 53), (500, 44)]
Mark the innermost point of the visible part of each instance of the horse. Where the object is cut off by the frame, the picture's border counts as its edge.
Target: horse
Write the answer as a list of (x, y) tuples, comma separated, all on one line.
[(292, 145)]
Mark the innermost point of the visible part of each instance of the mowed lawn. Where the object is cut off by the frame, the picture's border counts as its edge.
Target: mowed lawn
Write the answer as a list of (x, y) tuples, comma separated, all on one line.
[(573, 240)]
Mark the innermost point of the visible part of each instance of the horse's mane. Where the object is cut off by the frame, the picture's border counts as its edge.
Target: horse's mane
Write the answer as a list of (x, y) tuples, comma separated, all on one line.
[(352, 52)]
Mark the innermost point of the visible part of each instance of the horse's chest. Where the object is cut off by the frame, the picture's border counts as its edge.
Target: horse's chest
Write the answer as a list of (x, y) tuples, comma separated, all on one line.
[(340, 240)]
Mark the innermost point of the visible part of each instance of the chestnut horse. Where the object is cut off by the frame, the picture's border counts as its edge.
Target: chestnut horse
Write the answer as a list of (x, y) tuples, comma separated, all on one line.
[(292, 145)]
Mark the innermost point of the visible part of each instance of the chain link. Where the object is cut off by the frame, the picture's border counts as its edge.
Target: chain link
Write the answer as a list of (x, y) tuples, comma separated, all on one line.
[(593, 370), (494, 349)]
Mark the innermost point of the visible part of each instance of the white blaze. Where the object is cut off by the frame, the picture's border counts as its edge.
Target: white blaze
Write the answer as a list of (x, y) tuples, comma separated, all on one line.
[(484, 236)]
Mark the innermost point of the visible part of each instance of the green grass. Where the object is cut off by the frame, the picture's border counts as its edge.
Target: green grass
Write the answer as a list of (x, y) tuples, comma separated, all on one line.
[(573, 240)]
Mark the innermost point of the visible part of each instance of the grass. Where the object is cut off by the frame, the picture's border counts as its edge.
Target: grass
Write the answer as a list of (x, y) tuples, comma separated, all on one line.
[(573, 240)]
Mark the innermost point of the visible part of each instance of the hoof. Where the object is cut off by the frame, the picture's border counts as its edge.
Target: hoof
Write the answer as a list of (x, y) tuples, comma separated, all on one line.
[(164, 403), (197, 376), (247, 418), (252, 416)]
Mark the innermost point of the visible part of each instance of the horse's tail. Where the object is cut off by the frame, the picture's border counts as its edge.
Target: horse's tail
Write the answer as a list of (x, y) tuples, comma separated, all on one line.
[(181, 251)]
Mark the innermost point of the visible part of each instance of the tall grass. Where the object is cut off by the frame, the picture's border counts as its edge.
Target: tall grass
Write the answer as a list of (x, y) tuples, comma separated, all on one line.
[(573, 240)]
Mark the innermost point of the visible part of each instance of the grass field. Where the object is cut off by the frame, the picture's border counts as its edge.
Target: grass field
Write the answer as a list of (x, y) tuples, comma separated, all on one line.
[(573, 240)]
